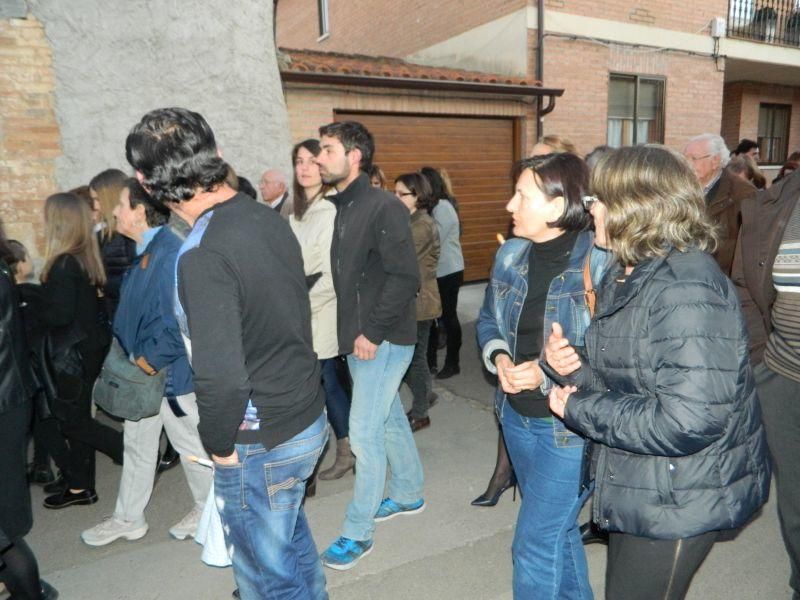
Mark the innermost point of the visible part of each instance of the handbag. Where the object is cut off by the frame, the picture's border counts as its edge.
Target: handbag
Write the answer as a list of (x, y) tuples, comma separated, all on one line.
[(123, 390)]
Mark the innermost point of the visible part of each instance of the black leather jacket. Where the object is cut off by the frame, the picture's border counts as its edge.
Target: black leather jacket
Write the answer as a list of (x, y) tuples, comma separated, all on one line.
[(16, 381)]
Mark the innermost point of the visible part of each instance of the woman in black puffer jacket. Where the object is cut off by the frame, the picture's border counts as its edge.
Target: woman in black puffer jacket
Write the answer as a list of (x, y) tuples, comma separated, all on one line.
[(668, 393)]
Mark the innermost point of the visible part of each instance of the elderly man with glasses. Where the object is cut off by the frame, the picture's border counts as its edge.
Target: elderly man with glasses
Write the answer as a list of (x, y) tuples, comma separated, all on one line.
[(708, 155)]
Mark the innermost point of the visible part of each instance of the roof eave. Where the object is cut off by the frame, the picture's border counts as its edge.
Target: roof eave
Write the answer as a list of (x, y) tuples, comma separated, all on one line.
[(409, 83)]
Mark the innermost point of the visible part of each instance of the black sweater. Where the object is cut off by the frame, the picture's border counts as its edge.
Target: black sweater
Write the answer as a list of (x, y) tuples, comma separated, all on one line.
[(242, 289), (545, 261), (375, 270)]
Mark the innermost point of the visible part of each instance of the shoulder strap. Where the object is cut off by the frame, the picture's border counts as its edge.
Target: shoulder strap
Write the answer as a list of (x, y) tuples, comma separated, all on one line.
[(588, 286)]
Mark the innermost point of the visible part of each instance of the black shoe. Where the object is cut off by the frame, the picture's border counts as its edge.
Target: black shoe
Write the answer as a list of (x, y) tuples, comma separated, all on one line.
[(490, 496), (590, 534), (56, 487), (41, 475), (67, 498), (236, 593), (169, 459), (448, 371), (48, 591)]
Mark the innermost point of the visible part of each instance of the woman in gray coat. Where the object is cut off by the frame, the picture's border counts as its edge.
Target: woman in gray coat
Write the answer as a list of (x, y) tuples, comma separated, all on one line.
[(667, 394)]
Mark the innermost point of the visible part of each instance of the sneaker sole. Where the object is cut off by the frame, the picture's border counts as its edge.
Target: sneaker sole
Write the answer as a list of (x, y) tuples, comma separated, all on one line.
[(350, 565), (131, 536), (414, 511), (180, 537)]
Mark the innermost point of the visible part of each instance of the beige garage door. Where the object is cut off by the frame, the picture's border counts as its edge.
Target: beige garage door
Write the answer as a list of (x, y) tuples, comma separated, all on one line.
[(478, 153)]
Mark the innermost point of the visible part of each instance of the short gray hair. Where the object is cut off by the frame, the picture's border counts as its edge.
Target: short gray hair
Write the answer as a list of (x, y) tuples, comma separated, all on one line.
[(716, 145)]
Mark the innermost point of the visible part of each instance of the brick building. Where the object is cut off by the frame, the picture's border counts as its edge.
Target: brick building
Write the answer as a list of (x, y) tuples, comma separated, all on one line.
[(631, 72)]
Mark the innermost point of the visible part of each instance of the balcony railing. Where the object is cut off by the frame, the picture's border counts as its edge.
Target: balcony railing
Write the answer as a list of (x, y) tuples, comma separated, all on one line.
[(771, 21)]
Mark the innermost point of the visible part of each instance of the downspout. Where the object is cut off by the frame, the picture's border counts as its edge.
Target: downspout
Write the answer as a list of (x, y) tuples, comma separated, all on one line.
[(539, 68)]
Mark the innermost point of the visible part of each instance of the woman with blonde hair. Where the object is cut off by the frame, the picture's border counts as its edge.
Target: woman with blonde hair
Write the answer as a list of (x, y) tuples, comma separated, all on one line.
[(73, 313), (663, 385), (116, 251), (553, 144)]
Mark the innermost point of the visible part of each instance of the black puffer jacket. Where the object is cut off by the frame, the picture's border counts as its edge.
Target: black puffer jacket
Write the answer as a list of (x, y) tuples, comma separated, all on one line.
[(681, 449)]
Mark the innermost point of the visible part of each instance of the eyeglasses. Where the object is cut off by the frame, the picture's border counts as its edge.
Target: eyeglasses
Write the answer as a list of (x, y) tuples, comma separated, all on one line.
[(588, 201)]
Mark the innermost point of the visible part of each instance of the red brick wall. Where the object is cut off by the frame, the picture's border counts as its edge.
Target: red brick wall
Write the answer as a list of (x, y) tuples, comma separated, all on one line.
[(679, 15), (693, 101), (30, 139), (750, 95), (381, 28)]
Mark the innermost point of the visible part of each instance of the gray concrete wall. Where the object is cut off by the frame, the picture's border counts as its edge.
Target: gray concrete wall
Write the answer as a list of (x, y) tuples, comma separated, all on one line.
[(116, 59)]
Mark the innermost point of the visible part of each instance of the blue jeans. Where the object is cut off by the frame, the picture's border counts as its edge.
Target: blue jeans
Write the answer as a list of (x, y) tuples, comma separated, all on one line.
[(260, 501), (336, 401), (549, 560), (379, 432)]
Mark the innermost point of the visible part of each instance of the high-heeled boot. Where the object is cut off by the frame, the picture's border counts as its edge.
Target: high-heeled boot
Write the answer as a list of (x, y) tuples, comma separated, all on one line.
[(495, 490), (344, 461)]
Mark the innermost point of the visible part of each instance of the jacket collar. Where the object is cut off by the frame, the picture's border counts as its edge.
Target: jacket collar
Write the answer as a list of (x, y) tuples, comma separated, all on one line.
[(643, 273), (352, 192)]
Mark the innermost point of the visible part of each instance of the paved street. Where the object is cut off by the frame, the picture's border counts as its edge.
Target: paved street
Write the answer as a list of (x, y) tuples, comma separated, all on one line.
[(451, 551)]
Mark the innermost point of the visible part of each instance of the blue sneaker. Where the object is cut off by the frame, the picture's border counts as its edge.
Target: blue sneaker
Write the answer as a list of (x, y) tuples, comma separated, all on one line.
[(344, 553), (390, 509)]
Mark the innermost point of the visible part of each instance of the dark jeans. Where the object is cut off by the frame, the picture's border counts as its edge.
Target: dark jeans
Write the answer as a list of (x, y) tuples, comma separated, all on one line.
[(642, 568), (448, 292), (780, 412), (337, 400), (418, 376), (83, 433)]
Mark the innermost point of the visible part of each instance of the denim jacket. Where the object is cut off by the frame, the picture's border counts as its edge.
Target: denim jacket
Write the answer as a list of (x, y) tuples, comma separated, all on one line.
[(505, 297), (145, 323)]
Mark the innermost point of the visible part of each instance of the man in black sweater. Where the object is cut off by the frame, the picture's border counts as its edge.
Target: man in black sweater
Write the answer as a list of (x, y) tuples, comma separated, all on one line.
[(376, 278), (256, 376)]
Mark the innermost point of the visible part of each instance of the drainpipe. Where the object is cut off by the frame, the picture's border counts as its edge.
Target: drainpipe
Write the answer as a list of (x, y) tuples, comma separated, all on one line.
[(540, 67)]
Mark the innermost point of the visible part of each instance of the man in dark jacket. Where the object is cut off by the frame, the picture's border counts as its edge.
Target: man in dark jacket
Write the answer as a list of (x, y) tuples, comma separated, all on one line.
[(376, 278), (256, 376), (766, 270), (725, 192)]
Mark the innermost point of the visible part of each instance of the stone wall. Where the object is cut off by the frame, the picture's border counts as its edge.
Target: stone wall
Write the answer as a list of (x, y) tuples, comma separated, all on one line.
[(114, 61)]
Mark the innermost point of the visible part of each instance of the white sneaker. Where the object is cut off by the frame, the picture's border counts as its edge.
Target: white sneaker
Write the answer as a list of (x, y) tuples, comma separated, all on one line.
[(187, 526), (112, 529)]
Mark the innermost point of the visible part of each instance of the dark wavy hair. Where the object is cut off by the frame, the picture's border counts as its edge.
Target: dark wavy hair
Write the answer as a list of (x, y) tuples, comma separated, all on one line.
[(352, 135), (301, 203), (418, 185), (562, 174), (175, 150), (155, 213), (438, 187)]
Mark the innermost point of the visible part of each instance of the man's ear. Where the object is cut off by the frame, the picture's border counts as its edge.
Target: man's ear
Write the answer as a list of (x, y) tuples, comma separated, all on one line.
[(355, 156)]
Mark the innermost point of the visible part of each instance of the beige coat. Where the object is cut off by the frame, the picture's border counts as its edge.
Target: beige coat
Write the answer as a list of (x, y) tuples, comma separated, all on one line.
[(426, 243), (315, 233)]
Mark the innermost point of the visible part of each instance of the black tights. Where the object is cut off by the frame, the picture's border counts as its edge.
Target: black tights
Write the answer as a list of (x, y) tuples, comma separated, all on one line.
[(20, 572)]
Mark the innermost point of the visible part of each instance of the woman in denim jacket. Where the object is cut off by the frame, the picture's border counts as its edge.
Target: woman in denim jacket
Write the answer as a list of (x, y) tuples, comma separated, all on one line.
[(538, 279)]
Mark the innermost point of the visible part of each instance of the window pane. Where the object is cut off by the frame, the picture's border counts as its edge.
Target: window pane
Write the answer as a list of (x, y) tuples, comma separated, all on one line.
[(621, 93), (773, 132)]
